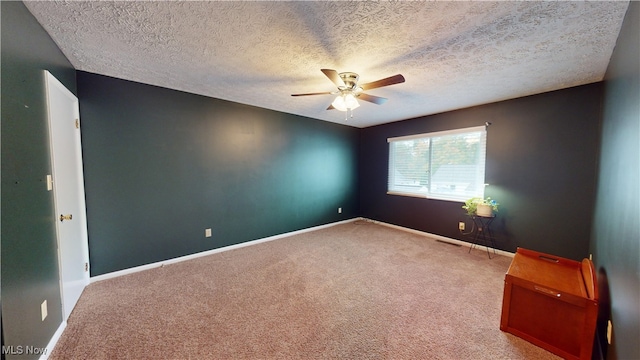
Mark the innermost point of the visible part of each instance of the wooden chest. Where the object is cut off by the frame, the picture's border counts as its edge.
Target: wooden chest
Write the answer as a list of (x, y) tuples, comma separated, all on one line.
[(551, 302)]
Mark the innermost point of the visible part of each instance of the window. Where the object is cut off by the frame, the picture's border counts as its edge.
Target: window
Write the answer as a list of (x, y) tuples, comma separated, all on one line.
[(447, 165)]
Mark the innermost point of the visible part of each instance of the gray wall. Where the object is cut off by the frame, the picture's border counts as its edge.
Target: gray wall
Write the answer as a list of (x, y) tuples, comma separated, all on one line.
[(29, 257), (616, 230)]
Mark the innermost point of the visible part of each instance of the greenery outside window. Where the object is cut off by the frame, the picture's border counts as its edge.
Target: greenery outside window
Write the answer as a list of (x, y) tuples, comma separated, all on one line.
[(447, 165)]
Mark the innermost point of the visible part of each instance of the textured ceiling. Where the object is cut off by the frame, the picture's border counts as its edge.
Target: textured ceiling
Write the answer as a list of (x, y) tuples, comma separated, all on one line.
[(452, 54)]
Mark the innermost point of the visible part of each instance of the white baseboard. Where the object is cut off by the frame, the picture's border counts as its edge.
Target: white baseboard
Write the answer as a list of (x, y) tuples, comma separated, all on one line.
[(213, 251), (280, 236), (438, 237), (54, 340)]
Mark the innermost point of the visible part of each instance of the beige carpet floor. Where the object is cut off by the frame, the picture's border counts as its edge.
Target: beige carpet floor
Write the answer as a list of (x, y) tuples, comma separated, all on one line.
[(350, 291)]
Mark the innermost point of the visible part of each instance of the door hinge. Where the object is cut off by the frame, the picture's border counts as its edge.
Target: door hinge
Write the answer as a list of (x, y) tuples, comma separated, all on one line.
[(86, 267), (77, 124)]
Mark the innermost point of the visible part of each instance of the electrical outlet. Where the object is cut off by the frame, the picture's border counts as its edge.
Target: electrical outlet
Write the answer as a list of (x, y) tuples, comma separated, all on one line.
[(207, 232), (339, 210), (43, 310), (461, 226)]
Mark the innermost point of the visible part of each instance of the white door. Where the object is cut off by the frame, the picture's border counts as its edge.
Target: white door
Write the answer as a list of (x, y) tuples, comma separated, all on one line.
[(68, 187)]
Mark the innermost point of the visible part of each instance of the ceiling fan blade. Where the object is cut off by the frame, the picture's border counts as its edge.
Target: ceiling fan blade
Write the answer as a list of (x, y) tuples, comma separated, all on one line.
[(374, 99), (391, 80), (317, 93), (334, 77)]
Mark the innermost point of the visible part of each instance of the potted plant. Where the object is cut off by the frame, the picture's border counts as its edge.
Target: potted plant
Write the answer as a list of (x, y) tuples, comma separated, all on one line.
[(480, 207)]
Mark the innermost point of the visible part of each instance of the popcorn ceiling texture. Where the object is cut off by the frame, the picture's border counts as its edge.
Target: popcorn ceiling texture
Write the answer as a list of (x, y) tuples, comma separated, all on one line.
[(452, 54)]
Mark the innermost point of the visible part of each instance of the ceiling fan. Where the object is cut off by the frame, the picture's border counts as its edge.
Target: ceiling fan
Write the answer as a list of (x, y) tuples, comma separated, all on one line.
[(349, 91)]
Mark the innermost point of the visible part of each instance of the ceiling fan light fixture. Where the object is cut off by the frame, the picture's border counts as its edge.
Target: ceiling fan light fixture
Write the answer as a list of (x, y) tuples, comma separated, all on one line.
[(344, 102), (349, 90)]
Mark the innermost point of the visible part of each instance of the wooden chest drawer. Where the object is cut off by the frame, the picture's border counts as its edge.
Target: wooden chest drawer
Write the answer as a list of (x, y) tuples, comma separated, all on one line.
[(551, 302)]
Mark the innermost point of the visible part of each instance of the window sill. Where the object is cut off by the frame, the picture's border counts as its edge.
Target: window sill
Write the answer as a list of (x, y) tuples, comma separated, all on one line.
[(425, 196)]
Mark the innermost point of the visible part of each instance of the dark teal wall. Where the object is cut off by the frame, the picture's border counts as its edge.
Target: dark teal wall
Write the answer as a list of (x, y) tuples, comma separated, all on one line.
[(29, 257), (163, 165), (616, 230), (541, 167)]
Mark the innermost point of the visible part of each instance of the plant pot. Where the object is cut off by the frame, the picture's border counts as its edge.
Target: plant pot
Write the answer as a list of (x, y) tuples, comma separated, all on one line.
[(484, 210)]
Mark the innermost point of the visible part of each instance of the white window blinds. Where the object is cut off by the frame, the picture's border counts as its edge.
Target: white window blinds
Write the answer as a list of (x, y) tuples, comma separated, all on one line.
[(447, 165)]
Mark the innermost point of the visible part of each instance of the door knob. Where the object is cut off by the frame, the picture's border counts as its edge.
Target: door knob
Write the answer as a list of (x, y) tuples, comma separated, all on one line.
[(65, 217)]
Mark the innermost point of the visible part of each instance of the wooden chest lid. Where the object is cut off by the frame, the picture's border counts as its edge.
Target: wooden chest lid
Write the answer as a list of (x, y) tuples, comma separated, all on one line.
[(561, 274)]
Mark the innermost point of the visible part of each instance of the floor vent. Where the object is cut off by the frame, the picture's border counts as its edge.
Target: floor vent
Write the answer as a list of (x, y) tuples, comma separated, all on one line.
[(448, 243)]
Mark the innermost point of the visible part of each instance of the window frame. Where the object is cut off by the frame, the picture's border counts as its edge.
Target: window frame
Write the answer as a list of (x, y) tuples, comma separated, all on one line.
[(429, 194)]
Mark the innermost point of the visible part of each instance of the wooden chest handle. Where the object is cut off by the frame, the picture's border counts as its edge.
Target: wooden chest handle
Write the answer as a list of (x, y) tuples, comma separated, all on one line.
[(546, 291)]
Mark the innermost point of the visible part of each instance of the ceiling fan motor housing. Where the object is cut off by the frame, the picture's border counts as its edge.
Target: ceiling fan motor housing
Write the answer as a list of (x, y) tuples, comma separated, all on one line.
[(350, 80)]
